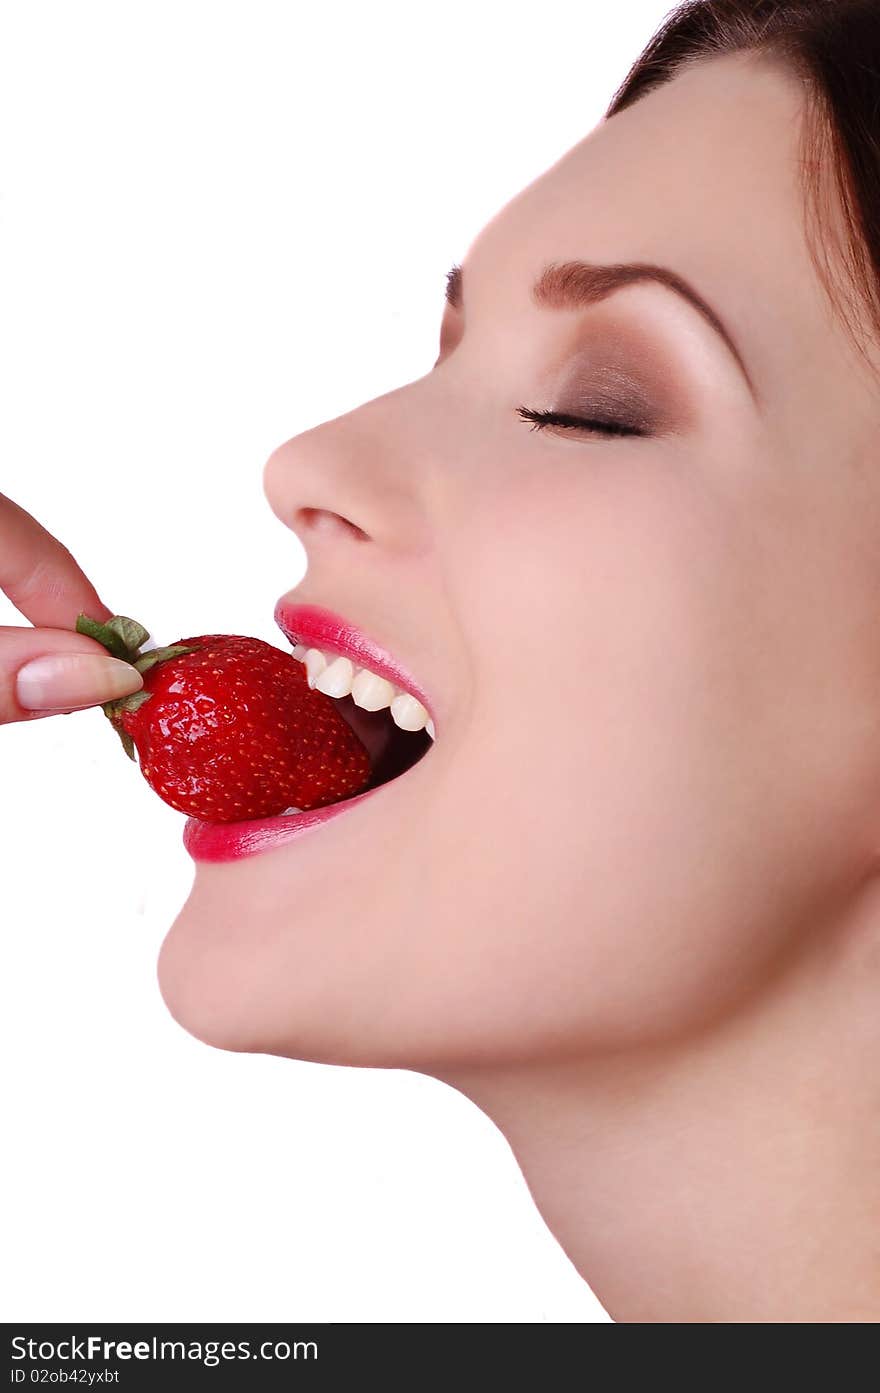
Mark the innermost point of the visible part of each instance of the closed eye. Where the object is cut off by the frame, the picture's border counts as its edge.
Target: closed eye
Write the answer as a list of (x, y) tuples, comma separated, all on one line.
[(542, 419)]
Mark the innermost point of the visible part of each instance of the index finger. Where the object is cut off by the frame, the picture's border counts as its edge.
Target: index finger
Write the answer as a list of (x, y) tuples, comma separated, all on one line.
[(39, 574)]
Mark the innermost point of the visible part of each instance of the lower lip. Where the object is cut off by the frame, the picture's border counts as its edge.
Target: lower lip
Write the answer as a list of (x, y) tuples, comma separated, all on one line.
[(230, 841)]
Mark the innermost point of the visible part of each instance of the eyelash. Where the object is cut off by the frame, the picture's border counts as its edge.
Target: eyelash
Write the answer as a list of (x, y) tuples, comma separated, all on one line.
[(542, 419)]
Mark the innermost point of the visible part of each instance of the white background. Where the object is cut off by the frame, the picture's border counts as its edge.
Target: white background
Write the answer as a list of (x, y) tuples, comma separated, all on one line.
[(220, 225)]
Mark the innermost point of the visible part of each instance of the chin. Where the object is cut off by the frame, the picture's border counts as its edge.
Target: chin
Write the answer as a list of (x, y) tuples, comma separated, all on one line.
[(198, 985), (238, 985)]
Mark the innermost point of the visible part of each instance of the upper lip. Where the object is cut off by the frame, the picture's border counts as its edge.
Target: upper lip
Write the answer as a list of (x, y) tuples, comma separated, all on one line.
[(321, 628)]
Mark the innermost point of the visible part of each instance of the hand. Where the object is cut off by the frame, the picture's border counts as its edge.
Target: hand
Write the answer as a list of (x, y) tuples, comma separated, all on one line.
[(50, 669)]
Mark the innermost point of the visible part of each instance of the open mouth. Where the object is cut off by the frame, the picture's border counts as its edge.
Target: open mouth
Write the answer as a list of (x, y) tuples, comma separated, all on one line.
[(376, 696), (392, 751)]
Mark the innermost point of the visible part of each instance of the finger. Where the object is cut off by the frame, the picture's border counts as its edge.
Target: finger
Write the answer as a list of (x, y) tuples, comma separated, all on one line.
[(39, 575), (49, 671)]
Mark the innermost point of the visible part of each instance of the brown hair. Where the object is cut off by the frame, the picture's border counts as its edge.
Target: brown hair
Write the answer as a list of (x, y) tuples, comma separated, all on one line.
[(833, 48)]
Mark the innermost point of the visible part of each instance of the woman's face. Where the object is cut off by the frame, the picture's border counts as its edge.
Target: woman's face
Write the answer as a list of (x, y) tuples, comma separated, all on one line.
[(654, 660)]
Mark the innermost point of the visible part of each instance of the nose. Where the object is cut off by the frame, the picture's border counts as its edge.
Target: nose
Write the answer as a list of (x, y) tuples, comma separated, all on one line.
[(353, 480)]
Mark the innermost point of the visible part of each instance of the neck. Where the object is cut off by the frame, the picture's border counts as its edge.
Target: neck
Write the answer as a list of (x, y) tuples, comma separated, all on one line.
[(732, 1176)]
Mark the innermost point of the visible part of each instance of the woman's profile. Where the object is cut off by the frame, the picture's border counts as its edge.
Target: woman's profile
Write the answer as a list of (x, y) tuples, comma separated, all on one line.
[(624, 537)]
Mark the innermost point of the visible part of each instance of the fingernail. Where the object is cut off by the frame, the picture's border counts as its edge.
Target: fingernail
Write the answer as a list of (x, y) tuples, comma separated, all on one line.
[(74, 680)]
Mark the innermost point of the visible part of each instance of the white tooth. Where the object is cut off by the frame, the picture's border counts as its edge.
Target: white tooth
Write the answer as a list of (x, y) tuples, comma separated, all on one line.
[(408, 713), (299, 651), (335, 680), (315, 663), (429, 727), (371, 692), (290, 810)]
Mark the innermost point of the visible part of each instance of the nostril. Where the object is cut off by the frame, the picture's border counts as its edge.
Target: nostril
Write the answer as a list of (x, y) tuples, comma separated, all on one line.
[(320, 520)]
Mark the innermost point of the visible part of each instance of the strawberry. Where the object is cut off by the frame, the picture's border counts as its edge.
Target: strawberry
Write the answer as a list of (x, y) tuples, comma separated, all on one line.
[(227, 727)]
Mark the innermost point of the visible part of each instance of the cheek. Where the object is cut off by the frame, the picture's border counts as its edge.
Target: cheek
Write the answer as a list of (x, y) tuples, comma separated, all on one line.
[(645, 830)]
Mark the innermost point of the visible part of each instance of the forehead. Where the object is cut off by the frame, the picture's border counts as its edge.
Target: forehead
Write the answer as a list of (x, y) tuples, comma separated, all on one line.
[(702, 175)]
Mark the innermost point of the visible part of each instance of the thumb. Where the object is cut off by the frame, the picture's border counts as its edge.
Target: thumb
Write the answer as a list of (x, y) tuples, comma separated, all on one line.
[(46, 671)]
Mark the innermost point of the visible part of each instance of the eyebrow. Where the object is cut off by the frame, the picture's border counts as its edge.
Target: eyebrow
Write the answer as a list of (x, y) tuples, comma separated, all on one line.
[(572, 285)]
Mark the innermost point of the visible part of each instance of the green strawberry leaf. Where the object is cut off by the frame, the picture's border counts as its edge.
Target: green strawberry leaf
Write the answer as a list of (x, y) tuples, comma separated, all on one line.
[(106, 636), (130, 631)]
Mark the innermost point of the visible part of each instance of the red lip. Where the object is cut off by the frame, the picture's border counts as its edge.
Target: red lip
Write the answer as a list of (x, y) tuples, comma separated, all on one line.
[(228, 841), (320, 628)]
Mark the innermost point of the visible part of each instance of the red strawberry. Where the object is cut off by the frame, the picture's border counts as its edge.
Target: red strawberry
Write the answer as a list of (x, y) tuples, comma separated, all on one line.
[(227, 727)]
